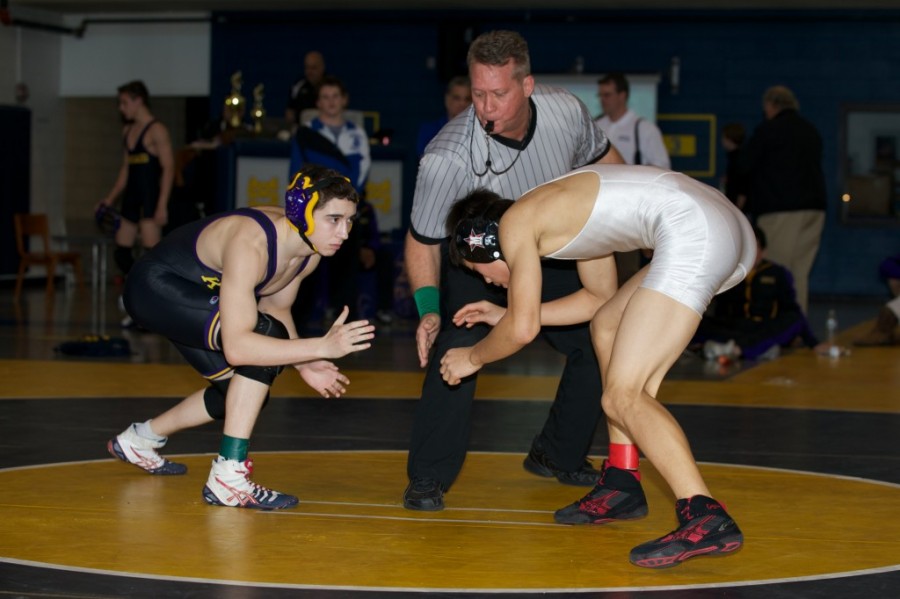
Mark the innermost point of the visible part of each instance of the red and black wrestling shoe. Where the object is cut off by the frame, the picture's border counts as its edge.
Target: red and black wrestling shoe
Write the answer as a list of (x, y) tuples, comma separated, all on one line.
[(705, 529)]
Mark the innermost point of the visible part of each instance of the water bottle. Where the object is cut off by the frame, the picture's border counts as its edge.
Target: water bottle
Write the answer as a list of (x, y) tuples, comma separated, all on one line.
[(831, 325)]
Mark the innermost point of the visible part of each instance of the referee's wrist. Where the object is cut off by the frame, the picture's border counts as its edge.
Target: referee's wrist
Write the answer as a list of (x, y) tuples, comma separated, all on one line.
[(428, 300)]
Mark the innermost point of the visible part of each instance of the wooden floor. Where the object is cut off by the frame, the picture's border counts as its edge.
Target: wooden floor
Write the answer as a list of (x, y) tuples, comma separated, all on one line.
[(805, 451)]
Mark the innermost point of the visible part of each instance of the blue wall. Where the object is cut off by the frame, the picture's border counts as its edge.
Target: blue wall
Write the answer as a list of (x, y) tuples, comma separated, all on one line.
[(727, 60)]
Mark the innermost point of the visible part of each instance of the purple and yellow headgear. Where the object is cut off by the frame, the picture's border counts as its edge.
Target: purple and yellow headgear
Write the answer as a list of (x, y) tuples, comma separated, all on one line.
[(304, 193)]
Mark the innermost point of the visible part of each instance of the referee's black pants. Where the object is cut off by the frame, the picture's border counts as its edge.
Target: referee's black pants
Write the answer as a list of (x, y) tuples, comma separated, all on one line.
[(440, 434)]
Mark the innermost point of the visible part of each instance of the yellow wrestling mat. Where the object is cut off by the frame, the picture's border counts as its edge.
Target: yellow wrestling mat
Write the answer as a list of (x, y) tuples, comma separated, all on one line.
[(497, 533)]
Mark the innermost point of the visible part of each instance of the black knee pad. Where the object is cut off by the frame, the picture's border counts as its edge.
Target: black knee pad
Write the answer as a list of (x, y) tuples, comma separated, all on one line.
[(214, 398), (124, 258), (270, 327)]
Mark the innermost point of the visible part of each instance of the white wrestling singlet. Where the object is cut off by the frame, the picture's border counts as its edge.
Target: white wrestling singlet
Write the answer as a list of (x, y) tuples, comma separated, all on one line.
[(702, 244)]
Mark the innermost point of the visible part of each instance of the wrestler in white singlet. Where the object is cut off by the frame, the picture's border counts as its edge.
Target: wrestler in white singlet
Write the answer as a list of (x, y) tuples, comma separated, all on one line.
[(702, 245)]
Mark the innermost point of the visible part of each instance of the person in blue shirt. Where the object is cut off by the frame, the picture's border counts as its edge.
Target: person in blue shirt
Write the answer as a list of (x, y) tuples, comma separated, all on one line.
[(457, 98), (332, 141)]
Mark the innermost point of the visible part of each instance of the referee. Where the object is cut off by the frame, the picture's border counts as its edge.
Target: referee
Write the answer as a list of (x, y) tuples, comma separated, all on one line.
[(515, 136)]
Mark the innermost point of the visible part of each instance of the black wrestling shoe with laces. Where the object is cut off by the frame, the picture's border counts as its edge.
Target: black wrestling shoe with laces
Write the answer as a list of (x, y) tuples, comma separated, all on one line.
[(705, 528), (424, 494), (617, 496), (539, 464)]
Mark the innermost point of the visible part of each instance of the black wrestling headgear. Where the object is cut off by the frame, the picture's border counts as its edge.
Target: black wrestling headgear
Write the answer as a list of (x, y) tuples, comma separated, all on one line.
[(478, 239)]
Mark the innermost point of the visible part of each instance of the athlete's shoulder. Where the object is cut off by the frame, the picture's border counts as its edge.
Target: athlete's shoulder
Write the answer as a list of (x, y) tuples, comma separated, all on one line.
[(157, 131)]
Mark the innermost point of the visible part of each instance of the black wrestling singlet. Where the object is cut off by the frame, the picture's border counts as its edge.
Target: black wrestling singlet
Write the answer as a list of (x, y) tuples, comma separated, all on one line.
[(144, 172)]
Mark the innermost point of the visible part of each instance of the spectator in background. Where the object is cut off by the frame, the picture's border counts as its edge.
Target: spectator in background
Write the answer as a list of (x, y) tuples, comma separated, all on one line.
[(305, 91), (457, 98), (783, 163), (734, 182), (757, 316), (638, 140), (145, 177), (884, 331), (331, 140)]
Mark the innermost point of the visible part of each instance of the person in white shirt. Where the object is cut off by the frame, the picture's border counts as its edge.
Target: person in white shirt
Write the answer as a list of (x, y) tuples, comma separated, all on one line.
[(623, 126), (351, 140)]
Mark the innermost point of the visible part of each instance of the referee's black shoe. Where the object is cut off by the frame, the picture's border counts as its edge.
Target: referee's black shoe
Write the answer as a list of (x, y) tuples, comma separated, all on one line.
[(539, 464), (424, 494)]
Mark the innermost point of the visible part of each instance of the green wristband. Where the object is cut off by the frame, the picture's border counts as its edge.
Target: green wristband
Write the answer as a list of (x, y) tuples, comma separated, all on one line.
[(427, 301)]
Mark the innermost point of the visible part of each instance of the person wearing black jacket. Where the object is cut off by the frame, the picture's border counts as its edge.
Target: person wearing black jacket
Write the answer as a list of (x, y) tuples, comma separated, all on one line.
[(783, 160), (734, 183)]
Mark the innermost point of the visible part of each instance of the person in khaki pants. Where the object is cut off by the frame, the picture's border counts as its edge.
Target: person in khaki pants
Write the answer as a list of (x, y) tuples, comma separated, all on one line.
[(783, 160)]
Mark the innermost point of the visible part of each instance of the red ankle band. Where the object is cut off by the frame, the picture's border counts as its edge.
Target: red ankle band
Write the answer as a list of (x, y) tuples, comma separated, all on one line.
[(624, 456)]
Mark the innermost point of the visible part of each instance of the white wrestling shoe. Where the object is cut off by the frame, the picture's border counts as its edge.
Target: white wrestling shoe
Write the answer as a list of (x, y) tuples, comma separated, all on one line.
[(141, 452), (229, 485)]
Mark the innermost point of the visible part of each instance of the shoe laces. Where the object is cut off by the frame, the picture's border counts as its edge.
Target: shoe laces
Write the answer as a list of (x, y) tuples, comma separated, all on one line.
[(601, 489), (424, 484), (708, 507), (147, 458), (606, 467), (247, 471), (684, 511), (694, 529), (256, 489)]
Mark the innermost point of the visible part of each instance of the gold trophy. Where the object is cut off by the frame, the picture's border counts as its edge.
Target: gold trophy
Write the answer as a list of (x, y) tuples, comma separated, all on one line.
[(258, 111), (235, 103)]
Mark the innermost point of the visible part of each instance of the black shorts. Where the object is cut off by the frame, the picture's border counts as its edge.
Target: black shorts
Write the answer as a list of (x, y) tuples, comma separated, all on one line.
[(138, 206)]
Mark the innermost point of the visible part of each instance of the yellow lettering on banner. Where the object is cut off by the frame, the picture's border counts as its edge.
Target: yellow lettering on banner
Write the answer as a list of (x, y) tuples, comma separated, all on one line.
[(263, 193), (379, 195), (681, 145), (211, 282)]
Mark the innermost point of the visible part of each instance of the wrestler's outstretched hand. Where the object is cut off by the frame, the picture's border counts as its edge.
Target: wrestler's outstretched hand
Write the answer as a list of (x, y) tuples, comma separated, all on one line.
[(346, 337), (324, 377)]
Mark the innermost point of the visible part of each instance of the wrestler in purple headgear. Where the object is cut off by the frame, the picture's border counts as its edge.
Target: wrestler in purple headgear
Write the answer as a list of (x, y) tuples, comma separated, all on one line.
[(309, 186)]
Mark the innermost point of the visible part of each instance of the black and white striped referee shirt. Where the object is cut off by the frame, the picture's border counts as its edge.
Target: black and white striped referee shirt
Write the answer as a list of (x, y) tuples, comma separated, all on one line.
[(454, 164)]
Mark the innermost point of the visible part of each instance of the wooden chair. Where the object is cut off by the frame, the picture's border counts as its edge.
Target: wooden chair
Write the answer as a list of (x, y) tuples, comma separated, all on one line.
[(37, 225)]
